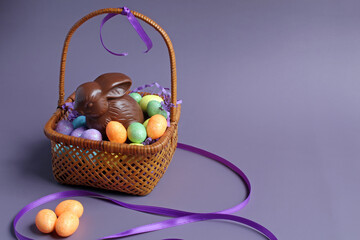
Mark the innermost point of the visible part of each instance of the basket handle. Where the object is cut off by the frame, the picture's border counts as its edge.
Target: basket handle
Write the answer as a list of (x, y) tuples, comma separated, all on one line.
[(137, 15)]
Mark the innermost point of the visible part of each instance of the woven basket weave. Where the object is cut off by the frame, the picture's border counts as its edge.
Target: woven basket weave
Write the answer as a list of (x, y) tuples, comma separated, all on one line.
[(102, 164)]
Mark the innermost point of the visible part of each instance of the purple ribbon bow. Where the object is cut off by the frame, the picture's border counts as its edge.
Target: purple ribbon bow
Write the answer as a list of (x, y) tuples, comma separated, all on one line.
[(135, 23)]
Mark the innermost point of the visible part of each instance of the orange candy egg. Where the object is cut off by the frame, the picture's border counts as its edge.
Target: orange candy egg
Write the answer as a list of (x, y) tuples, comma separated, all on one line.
[(156, 126), (116, 132), (45, 220), (70, 205), (66, 224)]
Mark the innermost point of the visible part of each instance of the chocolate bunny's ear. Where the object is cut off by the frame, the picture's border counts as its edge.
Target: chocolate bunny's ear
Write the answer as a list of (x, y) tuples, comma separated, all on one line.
[(114, 85), (118, 90)]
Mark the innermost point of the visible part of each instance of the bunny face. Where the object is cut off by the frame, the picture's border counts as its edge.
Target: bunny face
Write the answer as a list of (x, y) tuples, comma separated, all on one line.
[(90, 100)]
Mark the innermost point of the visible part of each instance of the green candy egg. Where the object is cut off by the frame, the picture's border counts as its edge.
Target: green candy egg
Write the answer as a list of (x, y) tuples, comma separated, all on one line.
[(146, 122), (146, 99), (154, 107), (164, 113), (136, 96), (136, 132)]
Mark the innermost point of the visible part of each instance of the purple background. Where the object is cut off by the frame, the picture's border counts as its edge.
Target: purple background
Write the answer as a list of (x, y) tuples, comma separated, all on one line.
[(273, 86)]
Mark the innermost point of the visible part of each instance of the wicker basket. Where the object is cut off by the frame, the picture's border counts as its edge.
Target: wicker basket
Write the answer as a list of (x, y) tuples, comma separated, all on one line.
[(102, 164)]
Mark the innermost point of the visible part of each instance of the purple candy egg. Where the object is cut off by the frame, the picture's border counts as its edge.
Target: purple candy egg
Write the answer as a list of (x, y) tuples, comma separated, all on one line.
[(92, 134), (64, 127), (77, 132)]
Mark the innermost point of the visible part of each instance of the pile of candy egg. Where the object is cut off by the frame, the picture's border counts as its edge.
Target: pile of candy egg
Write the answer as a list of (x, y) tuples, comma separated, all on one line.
[(65, 219), (136, 134), (77, 128)]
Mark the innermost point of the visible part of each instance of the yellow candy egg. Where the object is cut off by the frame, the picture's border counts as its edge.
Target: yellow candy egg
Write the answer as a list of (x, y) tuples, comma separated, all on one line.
[(66, 224), (156, 126), (45, 221), (70, 205), (116, 132), (137, 144), (146, 122), (146, 99)]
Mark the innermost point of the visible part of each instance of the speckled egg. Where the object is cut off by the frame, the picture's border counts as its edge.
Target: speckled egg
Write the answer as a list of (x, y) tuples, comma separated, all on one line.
[(78, 131), (154, 107), (92, 134), (146, 99), (66, 224), (64, 127), (136, 132), (70, 205), (136, 96), (157, 126), (116, 132), (45, 220), (80, 121)]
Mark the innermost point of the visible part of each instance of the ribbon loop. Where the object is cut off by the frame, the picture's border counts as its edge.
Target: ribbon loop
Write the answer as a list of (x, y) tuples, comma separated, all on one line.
[(136, 25)]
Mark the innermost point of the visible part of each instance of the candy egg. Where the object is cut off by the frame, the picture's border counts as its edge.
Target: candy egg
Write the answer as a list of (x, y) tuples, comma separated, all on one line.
[(136, 144), (80, 121), (157, 126), (70, 205), (146, 99), (136, 96), (116, 132), (66, 224), (136, 132), (78, 131), (92, 134), (64, 127), (154, 107), (45, 221), (146, 122)]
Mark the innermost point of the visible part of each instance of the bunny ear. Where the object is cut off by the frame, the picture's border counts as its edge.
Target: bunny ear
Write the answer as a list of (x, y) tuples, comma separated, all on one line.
[(114, 85), (118, 90)]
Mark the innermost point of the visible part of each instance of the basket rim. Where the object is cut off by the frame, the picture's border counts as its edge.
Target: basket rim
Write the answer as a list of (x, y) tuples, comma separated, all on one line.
[(105, 145)]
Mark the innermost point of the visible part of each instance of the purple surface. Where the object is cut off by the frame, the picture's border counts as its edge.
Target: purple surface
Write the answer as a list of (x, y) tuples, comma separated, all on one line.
[(271, 86)]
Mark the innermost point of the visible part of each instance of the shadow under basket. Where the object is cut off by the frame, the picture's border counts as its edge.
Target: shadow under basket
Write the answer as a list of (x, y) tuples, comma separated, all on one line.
[(102, 164)]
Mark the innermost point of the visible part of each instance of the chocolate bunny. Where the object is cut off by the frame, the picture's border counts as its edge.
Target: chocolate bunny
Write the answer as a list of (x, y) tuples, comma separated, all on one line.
[(106, 99)]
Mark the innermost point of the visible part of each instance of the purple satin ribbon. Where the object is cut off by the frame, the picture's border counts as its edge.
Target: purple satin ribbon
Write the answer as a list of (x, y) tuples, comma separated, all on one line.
[(135, 23), (179, 217)]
